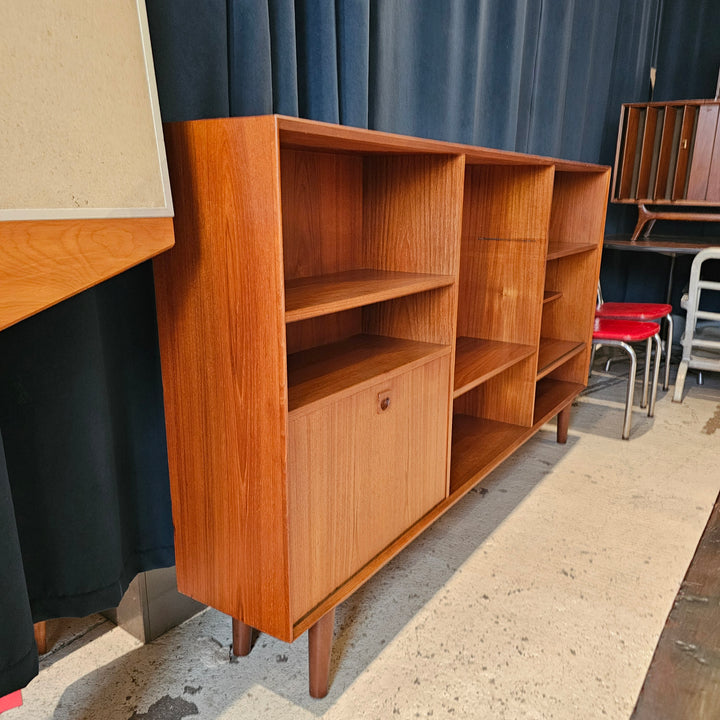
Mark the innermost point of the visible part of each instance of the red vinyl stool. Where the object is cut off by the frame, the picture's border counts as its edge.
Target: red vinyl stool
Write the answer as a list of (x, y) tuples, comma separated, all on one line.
[(644, 312), (619, 333)]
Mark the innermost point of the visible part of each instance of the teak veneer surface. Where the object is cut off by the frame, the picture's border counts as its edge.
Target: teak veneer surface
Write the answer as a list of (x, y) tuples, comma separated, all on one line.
[(554, 352), (310, 297), (551, 396), (480, 445), (323, 373), (222, 344), (309, 321), (479, 360), (360, 475), (45, 261), (563, 249)]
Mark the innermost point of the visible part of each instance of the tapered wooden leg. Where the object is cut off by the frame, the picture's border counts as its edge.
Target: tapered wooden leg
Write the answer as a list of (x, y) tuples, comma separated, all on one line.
[(563, 423), (41, 637), (242, 638), (320, 637)]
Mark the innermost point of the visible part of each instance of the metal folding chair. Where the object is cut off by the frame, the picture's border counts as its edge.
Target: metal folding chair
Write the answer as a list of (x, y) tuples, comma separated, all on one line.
[(701, 346)]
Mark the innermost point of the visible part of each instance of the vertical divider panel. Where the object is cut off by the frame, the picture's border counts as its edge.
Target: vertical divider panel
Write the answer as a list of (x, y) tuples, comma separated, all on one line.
[(647, 155), (220, 303), (687, 134), (630, 144), (666, 152)]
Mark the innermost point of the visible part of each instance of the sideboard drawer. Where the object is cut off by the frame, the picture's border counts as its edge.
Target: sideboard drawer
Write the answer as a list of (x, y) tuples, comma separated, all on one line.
[(362, 470)]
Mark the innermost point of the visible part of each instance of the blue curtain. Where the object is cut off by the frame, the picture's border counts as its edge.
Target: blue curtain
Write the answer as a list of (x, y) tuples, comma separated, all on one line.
[(81, 402)]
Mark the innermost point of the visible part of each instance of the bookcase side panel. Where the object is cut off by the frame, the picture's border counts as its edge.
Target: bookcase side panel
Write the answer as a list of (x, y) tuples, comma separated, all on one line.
[(220, 308)]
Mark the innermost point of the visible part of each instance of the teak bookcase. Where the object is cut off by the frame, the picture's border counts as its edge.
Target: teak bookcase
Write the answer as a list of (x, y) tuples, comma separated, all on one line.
[(668, 155), (355, 329)]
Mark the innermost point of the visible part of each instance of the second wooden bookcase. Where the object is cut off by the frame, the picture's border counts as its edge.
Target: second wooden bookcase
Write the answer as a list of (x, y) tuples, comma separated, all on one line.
[(355, 329)]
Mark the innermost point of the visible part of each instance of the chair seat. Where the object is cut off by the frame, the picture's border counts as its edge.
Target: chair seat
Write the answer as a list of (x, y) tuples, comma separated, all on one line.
[(623, 330), (633, 310)]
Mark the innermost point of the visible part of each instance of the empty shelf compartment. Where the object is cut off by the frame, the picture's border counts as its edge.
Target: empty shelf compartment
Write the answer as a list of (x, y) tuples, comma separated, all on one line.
[(340, 368)]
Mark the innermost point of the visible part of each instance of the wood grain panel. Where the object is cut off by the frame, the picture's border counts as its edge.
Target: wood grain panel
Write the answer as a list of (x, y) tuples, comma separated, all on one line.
[(630, 144), (479, 446), (412, 213), (666, 152), (646, 154), (360, 476), (578, 208), (506, 397), (428, 316), (713, 189), (509, 203), (683, 681), (552, 353), (683, 154), (321, 211), (43, 262), (501, 289), (578, 216), (222, 342), (503, 253), (312, 296), (702, 152), (323, 330), (478, 360), (571, 317), (322, 374), (551, 397)]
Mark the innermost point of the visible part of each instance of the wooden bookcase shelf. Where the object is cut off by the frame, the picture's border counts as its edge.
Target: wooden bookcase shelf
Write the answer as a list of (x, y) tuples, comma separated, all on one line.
[(551, 295), (328, 372), (560, 249), (550, 395), (313, 296), (350, 331), (479, 446), (553, 353), (479, 360)]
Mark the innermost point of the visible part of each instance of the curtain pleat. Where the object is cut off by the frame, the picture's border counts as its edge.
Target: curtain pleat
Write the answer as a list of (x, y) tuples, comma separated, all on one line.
[(18, 655), (81, 406)]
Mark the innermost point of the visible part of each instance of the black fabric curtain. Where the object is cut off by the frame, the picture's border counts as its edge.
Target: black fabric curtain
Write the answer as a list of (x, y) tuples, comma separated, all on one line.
[(81, 401)]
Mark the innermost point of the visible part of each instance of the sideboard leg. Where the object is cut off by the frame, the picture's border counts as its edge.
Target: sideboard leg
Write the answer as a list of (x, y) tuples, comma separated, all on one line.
[(645, 218), (242, 638), (563, 423), (320, 637), (41, 637)]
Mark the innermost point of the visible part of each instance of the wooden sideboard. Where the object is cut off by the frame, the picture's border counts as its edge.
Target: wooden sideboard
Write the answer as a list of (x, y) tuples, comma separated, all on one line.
[(668, 155), (355, 329)]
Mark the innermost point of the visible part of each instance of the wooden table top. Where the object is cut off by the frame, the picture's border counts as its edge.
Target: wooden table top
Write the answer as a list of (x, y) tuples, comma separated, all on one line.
[(678, 245)]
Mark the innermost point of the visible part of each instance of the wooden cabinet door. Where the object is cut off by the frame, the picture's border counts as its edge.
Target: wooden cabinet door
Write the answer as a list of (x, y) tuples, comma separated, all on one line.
[(361, 470)]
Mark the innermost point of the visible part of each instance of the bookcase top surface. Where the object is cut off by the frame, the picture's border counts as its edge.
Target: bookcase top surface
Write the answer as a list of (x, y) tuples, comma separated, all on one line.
[(302, 134)]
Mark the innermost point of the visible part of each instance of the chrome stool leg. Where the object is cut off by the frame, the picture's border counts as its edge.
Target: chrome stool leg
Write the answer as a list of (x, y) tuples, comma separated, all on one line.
[(668, 349), (656, 373), (646, 374), (630, 393)]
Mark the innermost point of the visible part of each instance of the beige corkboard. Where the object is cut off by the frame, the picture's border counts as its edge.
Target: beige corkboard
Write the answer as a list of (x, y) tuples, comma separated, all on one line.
[(80, 132)]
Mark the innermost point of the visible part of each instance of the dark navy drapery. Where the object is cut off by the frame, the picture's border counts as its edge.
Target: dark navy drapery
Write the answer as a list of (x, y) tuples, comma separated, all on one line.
[(80, 399)]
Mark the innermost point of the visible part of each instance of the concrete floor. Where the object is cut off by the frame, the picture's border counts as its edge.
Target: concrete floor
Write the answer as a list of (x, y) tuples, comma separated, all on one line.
[(541, 595)]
